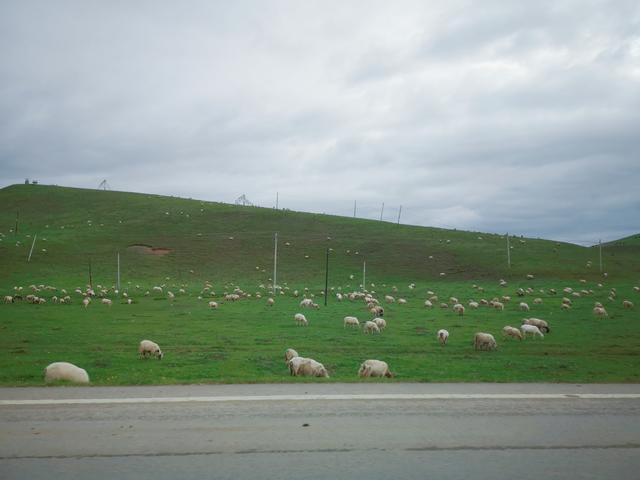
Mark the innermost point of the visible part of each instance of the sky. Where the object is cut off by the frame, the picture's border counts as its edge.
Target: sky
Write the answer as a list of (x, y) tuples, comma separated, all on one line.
[(492, 116)]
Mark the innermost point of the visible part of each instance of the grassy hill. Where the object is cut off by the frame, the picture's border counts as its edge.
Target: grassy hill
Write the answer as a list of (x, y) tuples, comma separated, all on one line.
[(220, 242), (244, 341)]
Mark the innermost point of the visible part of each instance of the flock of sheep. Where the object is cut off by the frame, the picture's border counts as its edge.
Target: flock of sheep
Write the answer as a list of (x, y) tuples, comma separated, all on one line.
[(301, 366)]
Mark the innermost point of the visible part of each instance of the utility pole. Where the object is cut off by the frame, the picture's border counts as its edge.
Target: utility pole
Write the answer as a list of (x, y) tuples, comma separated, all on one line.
[(277, 195), (275, 262), (600, 252), (381, 211), (399, 213), (354, 208), (326, 279), (508, 252), (364, 275), (32, 245)]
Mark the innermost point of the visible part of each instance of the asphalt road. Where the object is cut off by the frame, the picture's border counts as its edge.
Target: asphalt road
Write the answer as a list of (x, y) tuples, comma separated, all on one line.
[(310, 431)]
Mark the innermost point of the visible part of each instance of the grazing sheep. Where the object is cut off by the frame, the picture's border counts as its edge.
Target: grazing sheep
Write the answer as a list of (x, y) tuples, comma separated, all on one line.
[(541, 324), (443, 336), (306, 303), (537, 301), (86, 301), (65, 371), (444, 305), (524, 306), (510, 331), (498, 306), (627, 304), (459, 309), (301, 320), (532, 329), (600, 312), (377, 311), (8, 299), (339, 297), (565, 306), (107, 302), (371, 327), (380, 322), (300, 366), (453, 300), (147, 347), (389, 299), (289, 354), (484, 341), (374, 368), (428, 304), (213, 304), (270, 302), (402, 301), (473, 304), (351, 321)]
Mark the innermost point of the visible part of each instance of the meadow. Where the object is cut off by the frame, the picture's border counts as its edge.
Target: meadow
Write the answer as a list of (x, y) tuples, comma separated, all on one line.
[(244, 341)]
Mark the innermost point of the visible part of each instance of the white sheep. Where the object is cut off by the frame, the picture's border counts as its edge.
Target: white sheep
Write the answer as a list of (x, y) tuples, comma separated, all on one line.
[(524, 306), (443, 336), (300, 366), (213, 304), (270, 302), (65, 371), (374, 368), (537, 301), (498, 306), (351, 322), (459, 309), (600, 312), (402, 301), (510, 331), (147, 347), (377, 311), (389, 299), (428, 304), (289, 354), (482, 341), (380, 322), (8, 299), (627, 304), (86, 301), (473, 304), (541, 324), (306, 303), (301, 320), (532, 329), (107, 302), (371, 327)]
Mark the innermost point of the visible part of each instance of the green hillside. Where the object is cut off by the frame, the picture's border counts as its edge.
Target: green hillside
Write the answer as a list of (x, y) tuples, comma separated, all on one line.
[(204, 250), (220, 242)]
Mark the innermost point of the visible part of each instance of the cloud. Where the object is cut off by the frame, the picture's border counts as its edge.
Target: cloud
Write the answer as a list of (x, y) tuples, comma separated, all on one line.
[(497, 116)]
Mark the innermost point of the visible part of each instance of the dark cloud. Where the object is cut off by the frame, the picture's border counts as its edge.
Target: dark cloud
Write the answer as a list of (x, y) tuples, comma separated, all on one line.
[(491, 116)]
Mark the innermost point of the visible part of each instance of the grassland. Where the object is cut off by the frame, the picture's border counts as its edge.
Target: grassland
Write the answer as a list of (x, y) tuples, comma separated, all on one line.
[(244, 341)]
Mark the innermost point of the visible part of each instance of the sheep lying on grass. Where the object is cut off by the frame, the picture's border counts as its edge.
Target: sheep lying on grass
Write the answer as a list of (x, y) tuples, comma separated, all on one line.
[(65, 371)]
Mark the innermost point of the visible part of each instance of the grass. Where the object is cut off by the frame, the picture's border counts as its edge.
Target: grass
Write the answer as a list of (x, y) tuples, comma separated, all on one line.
[(245, 341)]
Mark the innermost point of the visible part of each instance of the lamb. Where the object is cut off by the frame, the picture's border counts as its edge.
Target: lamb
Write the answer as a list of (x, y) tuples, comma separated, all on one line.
[(371, 327), (541, 324), (147, 347), (510, 331), (213, 304), (524, 307), (443, 336), (65, 371), (301, 320), (289, 354), (374, 368), (351, 321), (532, 329), (484, 341), (380, 322)]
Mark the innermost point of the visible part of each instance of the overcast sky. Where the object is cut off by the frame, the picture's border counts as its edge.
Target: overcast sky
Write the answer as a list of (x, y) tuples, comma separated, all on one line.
[(482, 115)]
